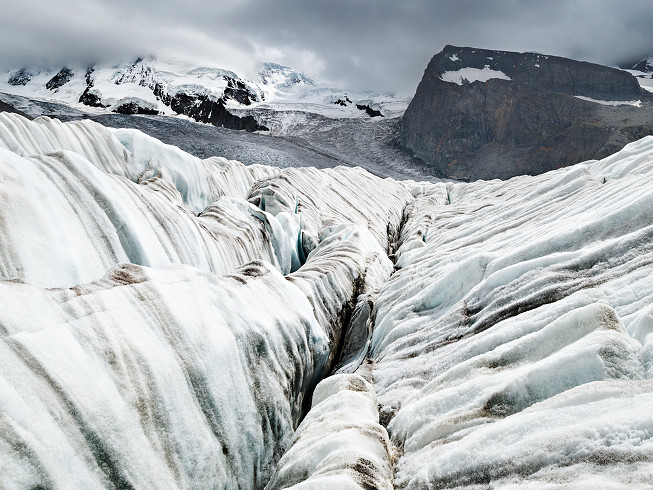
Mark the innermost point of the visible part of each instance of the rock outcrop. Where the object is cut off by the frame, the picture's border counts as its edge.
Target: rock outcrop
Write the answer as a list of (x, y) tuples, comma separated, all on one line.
[(481, 114), (60, 79), (4, 107), (203, 108)]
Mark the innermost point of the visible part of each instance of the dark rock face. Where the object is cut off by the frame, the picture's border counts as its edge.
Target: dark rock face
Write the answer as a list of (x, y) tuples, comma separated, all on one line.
[(204, 109), (238, 91), (134, 108), (370, 112), (343, 102), (529, 124), (60, 79), (21, 77), (90, 98), (543, 72)]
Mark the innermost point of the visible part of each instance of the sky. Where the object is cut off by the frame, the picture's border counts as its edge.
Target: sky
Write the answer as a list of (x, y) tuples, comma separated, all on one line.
[(381, 45)]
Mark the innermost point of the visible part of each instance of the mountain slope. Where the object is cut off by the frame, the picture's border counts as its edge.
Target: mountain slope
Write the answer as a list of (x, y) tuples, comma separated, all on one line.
[(205, 94), (644, 65)]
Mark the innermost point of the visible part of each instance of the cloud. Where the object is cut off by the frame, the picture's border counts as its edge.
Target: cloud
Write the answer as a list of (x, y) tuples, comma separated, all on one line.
[(374, 44)]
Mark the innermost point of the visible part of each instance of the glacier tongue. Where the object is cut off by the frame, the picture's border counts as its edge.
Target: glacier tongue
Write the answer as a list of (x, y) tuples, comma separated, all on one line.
[(165, 319)]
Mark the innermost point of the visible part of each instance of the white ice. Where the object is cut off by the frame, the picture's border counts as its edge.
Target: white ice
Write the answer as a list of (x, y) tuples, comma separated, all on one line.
[(635, 103), (164, 320)]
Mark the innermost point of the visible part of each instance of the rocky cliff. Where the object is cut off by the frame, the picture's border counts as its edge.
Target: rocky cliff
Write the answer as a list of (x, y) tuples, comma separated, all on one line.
[(481, 114)]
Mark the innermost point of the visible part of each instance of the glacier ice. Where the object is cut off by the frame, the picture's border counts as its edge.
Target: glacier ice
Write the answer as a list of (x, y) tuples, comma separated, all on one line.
[(172, 322), (154, 377), (511, 297), (340, 443)]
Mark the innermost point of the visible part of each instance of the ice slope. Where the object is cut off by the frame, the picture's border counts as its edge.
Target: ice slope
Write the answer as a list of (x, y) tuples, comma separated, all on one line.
[(138, 203), (342, 429), (163, 378), (164, 320), (514, 344), (512, 348), (66, 220)]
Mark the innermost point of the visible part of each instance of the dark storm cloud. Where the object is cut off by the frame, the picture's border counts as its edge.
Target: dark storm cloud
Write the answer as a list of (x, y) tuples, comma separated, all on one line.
[(378, 44)]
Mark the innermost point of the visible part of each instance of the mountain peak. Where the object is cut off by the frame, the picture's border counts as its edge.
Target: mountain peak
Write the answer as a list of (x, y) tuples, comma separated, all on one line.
[(283, 77), (644, 65)]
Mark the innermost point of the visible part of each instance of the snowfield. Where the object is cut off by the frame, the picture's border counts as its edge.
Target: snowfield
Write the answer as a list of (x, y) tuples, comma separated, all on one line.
[(635, 103), (469, 75), (172, 322)]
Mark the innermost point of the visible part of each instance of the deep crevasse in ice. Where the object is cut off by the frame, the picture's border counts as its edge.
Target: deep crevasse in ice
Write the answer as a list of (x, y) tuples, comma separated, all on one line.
[(512, 346)]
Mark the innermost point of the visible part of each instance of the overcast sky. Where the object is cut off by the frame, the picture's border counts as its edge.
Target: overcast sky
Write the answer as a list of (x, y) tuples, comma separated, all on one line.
[(373, 44)]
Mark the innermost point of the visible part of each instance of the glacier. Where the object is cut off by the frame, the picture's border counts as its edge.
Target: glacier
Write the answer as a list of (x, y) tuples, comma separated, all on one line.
[(174, 322)]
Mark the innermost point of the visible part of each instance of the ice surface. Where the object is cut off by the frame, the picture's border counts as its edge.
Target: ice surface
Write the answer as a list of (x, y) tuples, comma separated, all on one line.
[(512, 297), (154, 378), (151, 376), (324, 198), (164, 321), (65, 222), (340, 444)]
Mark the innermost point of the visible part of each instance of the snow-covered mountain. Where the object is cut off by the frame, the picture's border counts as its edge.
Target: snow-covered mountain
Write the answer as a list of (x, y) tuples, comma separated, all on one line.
[(645, 65), (172, 322), (206, 94), (643, 71)]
